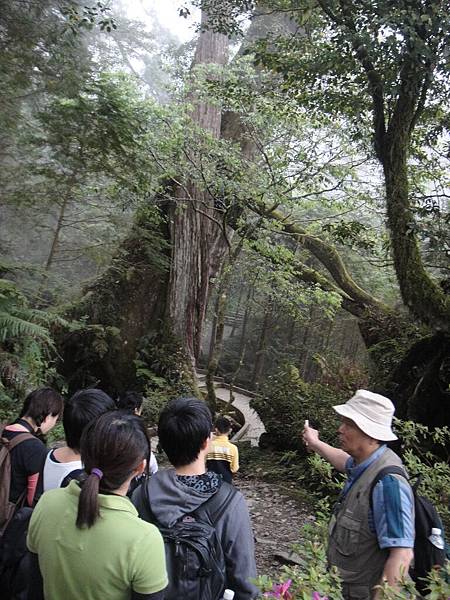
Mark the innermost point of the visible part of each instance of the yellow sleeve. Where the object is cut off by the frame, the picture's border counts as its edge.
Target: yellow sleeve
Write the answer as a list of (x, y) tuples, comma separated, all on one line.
[(234, 459)]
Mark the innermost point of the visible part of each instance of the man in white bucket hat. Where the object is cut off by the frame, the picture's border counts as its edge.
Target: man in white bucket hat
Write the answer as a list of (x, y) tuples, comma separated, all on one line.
[(370, 540)]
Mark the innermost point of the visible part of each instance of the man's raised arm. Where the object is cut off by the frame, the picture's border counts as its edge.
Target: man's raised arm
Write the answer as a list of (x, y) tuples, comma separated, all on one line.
[(335, 456)]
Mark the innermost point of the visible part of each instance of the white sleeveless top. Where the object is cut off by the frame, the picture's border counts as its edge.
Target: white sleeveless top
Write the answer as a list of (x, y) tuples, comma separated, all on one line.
[(55, 472)]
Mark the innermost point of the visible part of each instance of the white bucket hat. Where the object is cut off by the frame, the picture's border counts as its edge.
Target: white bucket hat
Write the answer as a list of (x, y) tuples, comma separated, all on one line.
[(371, 412)]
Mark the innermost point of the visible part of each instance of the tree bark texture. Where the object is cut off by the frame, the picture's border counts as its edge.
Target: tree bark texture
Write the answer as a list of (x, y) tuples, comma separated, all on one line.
[(423, 295), (138, 298), (420, 292), (198, 243)]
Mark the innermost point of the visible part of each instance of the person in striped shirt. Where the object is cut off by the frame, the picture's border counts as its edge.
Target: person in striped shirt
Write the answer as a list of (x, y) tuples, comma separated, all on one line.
[(223, 456)]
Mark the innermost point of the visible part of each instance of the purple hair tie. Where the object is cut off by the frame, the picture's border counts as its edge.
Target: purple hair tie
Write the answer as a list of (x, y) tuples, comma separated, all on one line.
[(97, 472)]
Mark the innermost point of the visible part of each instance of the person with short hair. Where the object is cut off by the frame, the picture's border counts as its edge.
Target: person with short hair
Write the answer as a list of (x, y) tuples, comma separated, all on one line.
[(64, 464), (371, 539), (39, 414), (131, 402), (184, 429), (86, 540), (223, 456)]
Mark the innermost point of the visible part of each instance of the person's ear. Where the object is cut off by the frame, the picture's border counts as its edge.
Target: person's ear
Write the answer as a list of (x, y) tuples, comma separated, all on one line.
[(141, 467), (205, 443)]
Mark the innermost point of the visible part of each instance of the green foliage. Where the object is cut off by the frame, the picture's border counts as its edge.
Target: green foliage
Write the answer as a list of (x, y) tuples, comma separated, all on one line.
[(17, 319), (26, 345), (86, 17), (161, 372), (286, 401), (351, 233), (388, 354)]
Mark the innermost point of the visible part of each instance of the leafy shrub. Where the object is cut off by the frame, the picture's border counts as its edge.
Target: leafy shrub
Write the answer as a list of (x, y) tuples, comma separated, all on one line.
[(154, 401), (286, 401), (162, 374)]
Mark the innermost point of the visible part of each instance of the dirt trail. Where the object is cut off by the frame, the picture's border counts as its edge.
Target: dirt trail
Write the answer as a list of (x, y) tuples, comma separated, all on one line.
[(277, 519)]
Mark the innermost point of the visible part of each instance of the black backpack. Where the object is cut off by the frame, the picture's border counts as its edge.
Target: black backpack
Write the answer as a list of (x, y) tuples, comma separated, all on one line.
[(194, 556), (14, 557), (426, 555)]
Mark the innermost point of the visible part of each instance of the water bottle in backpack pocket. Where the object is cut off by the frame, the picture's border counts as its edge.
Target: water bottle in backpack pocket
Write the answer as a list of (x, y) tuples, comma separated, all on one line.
[(436, 538), (429, 547)]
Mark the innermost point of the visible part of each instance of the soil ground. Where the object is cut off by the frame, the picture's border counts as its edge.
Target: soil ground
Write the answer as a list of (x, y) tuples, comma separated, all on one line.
[(277, 518)]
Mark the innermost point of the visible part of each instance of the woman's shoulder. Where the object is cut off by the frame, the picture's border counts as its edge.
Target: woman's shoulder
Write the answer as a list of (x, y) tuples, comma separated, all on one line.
[(137, 527)]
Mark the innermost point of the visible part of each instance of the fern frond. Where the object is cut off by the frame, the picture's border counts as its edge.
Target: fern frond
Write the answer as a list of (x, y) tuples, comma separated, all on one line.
[(44, 317), (12, 326)]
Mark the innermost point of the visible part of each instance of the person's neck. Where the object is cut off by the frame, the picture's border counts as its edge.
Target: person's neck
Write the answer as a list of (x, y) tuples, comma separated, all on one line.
[(122, 491), (198, 467), (363, 453), (66, 454), (30, 422)]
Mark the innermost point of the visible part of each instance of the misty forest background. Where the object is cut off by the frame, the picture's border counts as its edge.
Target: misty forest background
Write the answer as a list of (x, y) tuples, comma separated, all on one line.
[(268, 201)]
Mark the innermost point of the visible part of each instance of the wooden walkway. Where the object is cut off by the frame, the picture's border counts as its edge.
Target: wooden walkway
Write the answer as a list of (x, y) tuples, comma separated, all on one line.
[(253, 427)]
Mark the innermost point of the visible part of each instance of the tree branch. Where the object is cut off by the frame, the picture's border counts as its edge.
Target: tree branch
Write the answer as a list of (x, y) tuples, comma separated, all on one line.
[(327, 255)]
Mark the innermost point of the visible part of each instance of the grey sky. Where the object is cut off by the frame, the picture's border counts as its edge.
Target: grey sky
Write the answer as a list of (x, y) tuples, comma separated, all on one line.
[(167, 12)]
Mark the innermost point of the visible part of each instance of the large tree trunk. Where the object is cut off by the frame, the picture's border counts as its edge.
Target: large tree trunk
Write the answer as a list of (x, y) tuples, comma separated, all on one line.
[(141, 304), (423, 295), (198, 243)]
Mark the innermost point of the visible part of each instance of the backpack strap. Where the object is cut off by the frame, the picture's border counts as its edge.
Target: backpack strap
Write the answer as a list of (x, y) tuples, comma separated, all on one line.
[(16, 440), (389, 470), (217, 504), (143, 489)]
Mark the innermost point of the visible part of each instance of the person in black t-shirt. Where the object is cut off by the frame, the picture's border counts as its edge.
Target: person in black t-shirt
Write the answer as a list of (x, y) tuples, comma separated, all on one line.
[(39, 414)]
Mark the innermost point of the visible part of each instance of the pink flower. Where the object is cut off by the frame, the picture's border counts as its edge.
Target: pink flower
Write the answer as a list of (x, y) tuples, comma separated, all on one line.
[(317, 596), (280, 590)]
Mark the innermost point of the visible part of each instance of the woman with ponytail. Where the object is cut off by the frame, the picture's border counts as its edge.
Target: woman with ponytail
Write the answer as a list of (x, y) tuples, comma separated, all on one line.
[(86, 540)]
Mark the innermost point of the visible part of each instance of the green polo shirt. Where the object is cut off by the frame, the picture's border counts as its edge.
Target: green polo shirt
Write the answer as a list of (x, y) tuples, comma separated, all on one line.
[(118, 554)]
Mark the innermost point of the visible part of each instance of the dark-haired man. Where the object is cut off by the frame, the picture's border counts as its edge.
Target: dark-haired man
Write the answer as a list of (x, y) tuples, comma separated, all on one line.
[(184, 430), (371, 535), (223, 456), (131, 402)]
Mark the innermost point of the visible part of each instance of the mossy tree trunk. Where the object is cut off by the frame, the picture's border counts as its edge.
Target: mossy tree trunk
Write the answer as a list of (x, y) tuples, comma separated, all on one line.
[(140, 303), (396, 112), (423, 295), (118, 311), (198, 242)]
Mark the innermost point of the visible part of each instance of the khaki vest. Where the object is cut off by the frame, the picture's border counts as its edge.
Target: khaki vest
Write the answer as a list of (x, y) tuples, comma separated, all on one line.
[(352, 547)]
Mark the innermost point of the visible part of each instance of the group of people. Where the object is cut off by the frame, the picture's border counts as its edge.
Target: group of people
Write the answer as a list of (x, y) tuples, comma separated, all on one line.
[(91, 534), (95, 531)]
